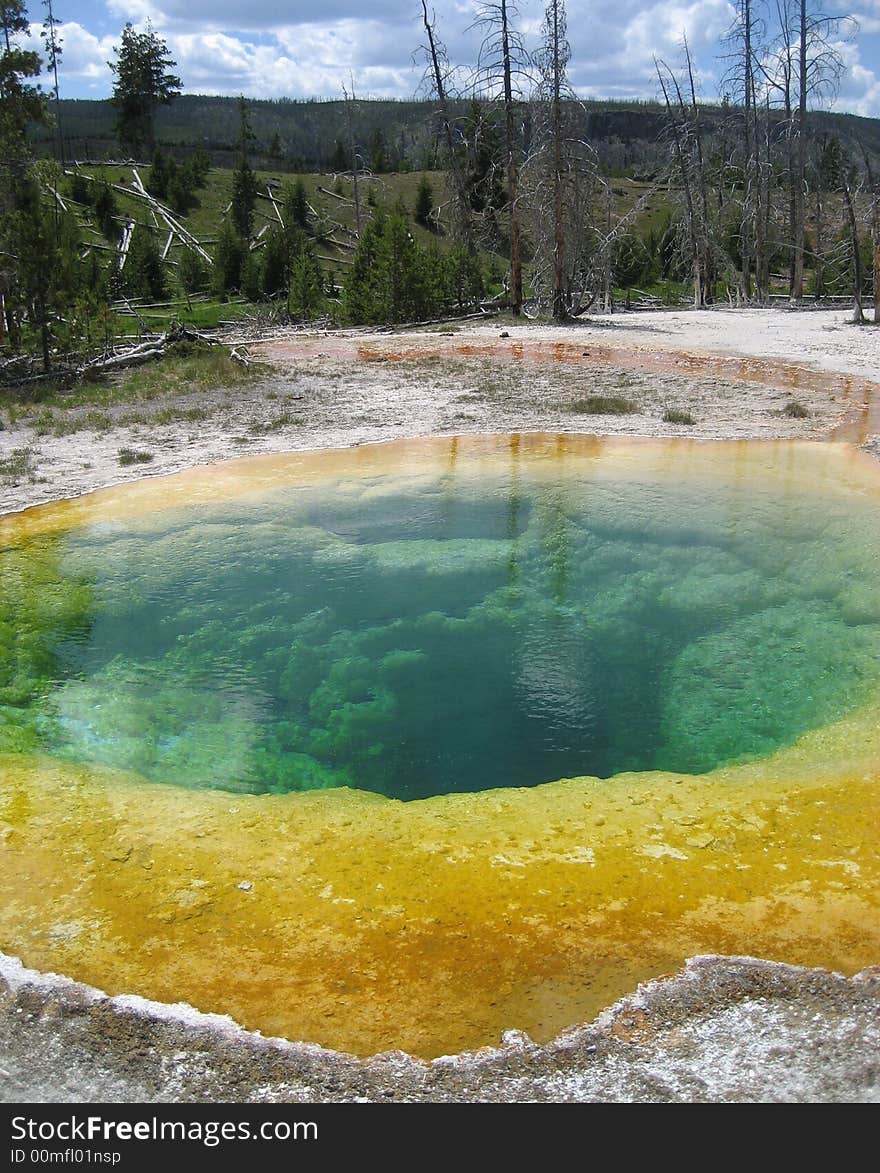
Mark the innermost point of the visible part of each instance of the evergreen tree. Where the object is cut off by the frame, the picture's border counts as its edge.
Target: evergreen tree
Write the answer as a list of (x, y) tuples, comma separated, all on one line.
[(49, 273), (244, 182), (250, 276), (78, 189), (296, 206), (306, 298), (424, 202), (144, 82), (53, 45), (274, 273), (340, 160), (465, 284), (193, 272), (400, 286), (36, 253), (198, 165), (244, 197), (144, 272), (106, 211), (359, 295), (157, 184), (181, 196), (228, 257), (378, 152)]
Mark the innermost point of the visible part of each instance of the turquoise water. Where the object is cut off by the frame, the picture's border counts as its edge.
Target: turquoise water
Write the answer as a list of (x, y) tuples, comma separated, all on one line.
[(428, 633)]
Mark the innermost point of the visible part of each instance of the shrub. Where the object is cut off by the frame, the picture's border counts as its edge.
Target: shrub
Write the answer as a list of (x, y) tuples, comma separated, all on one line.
[(132, 456), (674, 415), (605, 405)]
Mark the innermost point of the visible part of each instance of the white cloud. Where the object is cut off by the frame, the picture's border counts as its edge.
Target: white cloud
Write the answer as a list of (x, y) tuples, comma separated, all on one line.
[(298, 49), (258, 15), (84, 56)]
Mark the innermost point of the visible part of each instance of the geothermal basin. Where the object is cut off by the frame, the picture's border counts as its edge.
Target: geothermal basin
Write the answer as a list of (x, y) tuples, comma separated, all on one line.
[(405, 745)]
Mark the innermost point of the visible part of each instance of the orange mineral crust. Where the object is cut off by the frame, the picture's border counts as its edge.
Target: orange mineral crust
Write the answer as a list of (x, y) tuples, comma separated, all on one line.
[(364, 923)]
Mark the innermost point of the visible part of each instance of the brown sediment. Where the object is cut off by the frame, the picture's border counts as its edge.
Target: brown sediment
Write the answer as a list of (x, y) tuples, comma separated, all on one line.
[(733, 368), (860, 397)]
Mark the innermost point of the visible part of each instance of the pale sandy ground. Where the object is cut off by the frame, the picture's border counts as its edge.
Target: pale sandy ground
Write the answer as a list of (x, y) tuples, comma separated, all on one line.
[(734, 371), (727, 1029)]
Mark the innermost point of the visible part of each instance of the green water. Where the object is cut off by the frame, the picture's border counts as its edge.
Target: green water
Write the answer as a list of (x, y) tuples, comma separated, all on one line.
[(433, 633)]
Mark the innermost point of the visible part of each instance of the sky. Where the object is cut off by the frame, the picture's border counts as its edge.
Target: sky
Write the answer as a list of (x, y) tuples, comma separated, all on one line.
[(312, 48)]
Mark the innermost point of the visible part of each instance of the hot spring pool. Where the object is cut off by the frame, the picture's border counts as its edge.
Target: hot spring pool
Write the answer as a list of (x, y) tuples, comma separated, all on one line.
[(627, 692)]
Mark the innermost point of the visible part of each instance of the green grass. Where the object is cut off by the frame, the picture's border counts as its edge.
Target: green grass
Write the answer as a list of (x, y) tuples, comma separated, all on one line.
[(795, 410), (275, 424), (674, 415), (133, 456), (605, 405), (185, 369), (18, 465), (174, 415)]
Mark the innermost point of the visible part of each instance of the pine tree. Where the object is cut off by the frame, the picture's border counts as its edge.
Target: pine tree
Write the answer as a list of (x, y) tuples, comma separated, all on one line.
[(22, 267), (106, 211), (275, 267), (193, 272), (54, 50), (250, 276), (359, 293), (144, 272), (157, 184), (144, 82), (244, 182), (306, 298), (424, 206), (228, 257), (296, 206), (378, 152)]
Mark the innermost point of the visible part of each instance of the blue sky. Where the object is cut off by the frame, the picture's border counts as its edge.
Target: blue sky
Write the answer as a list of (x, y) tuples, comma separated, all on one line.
[(267, 49)]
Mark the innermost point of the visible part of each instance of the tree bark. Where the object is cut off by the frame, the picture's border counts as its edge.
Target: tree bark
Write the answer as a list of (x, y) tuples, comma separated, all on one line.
[(797, 291), (560, 308), (464, 225), (516, 282), (858, 313), (686, 188)]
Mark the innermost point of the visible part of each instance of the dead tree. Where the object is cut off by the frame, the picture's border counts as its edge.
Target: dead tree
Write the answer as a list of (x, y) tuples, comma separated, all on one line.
[(819, 67), (874, 190), (684, 129), (552, 61), (438, 74), (349, 102), (846, 190), (502, 61)]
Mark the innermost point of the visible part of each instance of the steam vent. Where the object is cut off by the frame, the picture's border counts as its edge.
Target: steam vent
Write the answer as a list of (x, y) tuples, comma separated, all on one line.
[(402, 746)]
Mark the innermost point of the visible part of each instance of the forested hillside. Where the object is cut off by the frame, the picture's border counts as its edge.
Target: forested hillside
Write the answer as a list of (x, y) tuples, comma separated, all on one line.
[(628, 137)]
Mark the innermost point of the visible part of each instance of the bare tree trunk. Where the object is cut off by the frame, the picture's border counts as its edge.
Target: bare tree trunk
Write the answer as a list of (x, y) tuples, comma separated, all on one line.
[(818, 263), (464, 226), (354, 159), (707, 276), (516, 281), (858, 314), (560, 309), (686, 188), (797, 291), (747, 221), (768, 204), (874, 186)]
